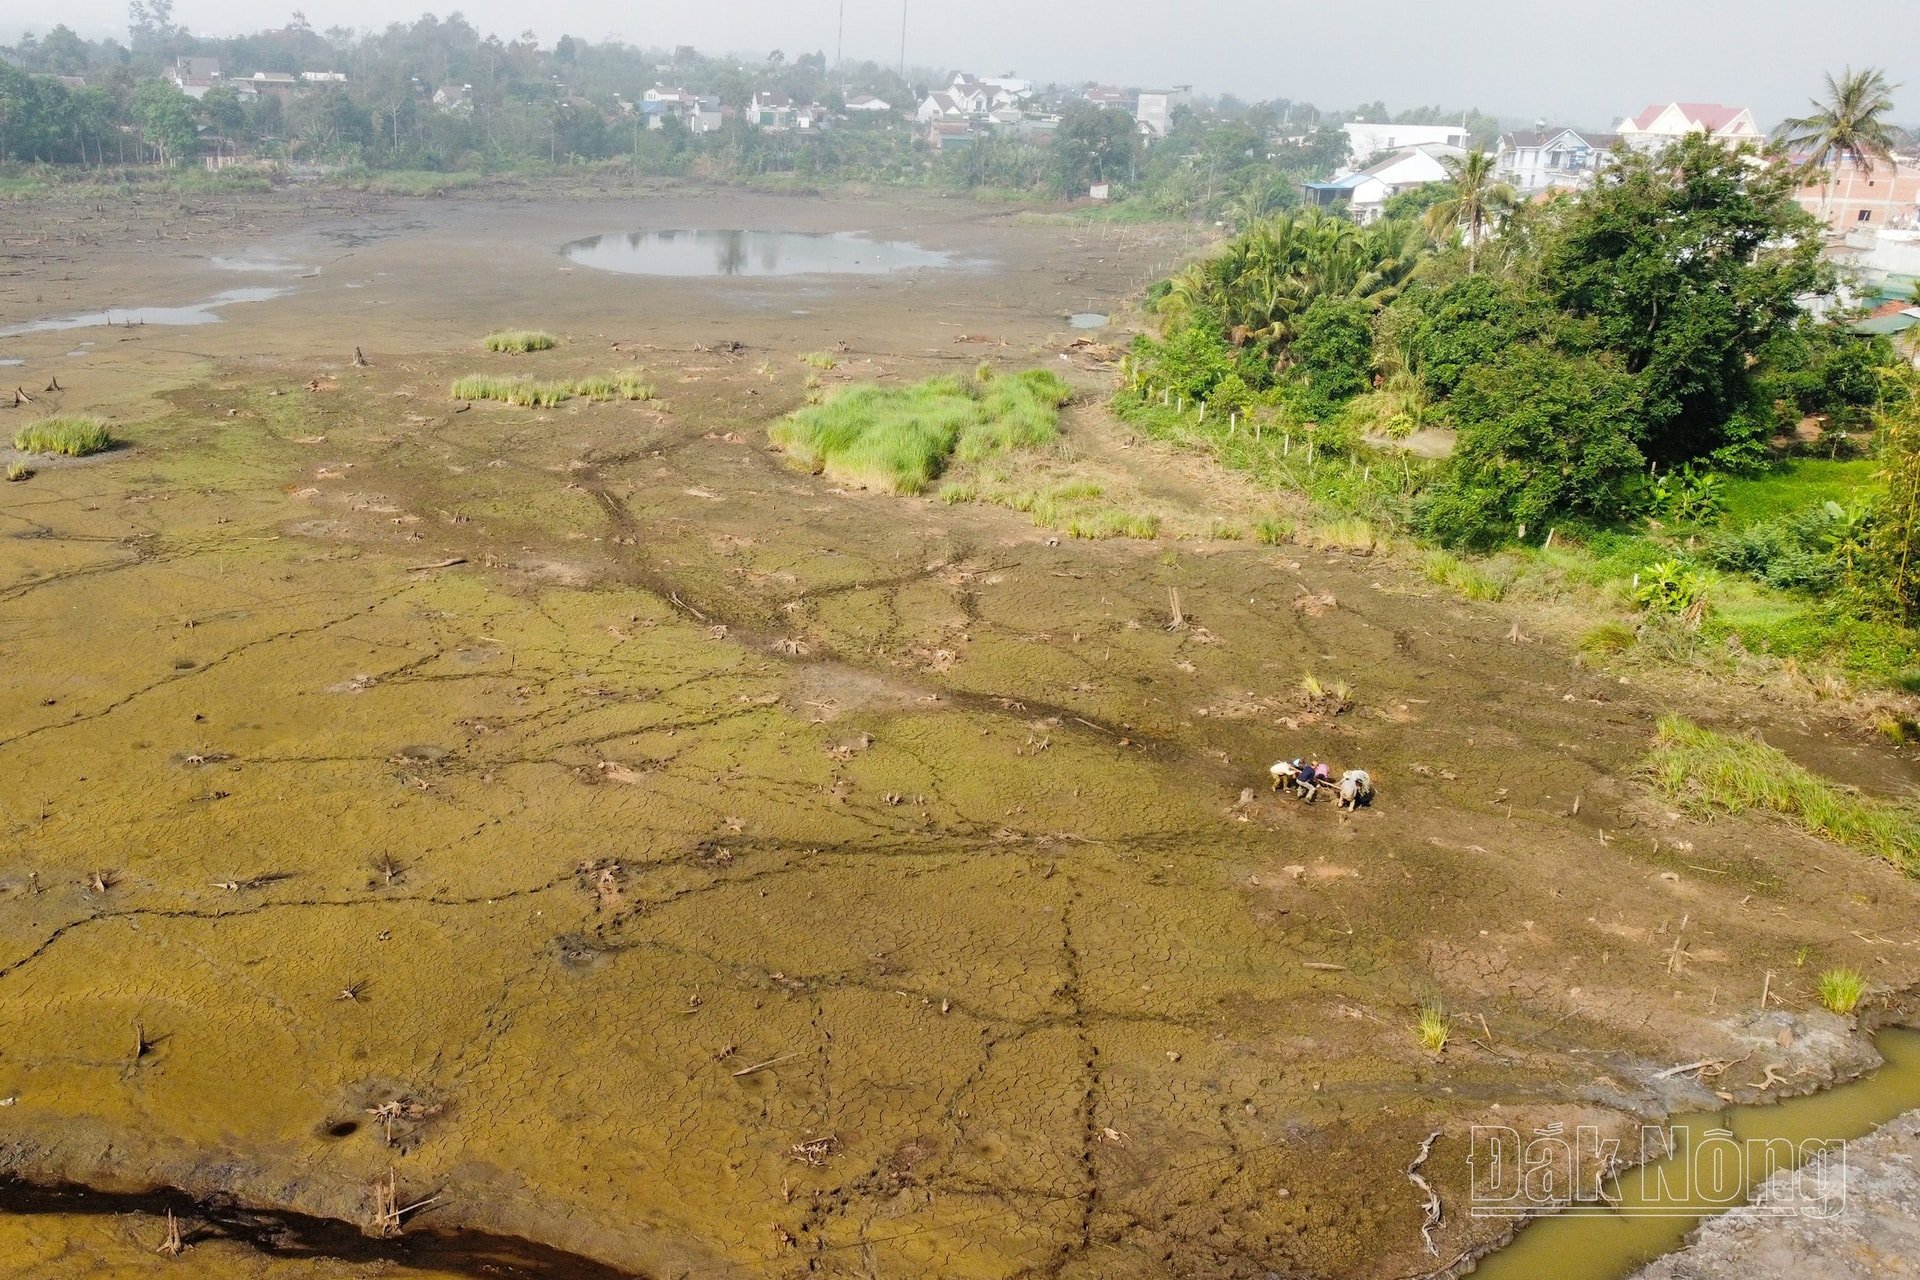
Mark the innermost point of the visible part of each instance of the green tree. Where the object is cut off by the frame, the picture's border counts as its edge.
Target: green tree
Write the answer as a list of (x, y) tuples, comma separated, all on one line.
[(1473, 202), (1895, 546), (1332, 352), (1542, 434), (165, 117), (1848, 126), (1092, 145), (1684, 265)]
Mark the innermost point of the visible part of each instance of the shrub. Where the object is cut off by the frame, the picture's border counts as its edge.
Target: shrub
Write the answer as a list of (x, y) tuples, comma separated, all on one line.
[(19, 471), (1689, 496), (1609, 638), (1271, 533), (1712, 771), (76, 437), (1841, 989), (1670, 587), (521, 340), (1466, 580)]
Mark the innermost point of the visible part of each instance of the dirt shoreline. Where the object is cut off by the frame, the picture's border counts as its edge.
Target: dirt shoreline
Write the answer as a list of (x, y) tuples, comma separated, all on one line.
[(525, 777)]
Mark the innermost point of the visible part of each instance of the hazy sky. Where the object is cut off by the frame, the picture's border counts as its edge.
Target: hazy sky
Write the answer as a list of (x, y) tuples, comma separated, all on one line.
[(1584, 63)]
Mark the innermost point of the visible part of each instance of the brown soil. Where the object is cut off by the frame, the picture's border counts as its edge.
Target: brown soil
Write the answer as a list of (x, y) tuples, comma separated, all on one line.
[(541, 772)]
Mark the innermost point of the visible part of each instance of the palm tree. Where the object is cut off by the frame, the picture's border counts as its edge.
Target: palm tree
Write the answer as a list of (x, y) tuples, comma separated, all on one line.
[(1849, 127), (1475, 200)]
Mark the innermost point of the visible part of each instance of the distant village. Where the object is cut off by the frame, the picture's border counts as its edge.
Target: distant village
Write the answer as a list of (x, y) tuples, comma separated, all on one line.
[(1872, 217)]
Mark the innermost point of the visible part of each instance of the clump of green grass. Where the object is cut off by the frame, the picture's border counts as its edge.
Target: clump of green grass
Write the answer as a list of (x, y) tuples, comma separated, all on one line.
[(1271, 533), (820, 360), (1609, 638), (1719, 771), (541, 393), (1433, 1028), (521, 340), (1114, 524), (527, 392), (1466, 580), (1841, 989), (900, 438), (74, 436), (957, 492), (17, 470)]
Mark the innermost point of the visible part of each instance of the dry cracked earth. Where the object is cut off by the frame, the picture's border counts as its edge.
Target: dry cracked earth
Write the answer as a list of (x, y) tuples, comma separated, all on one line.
[(659, 861)]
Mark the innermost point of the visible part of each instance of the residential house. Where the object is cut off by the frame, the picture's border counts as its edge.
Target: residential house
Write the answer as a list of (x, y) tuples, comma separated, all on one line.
[(194, 76), (1543, 159), (1104, 95), (944, 106), (777, 113), (976, 96), (1659, 126), (1155, 107), (945, 135), (279, 83), (1365, 141), (1852, 198), (707, 115), (75, 83), (661, 104), (1365, 192), (1008, 90), (454, 98), (867, 104), (324, 77)]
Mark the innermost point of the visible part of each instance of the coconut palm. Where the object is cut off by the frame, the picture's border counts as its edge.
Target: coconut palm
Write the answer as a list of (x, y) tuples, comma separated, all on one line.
[(1473, 203), (1849, 127)]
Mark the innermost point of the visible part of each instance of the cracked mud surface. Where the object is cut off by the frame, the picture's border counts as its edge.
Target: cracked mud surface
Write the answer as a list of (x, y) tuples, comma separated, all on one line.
[(694, 764)]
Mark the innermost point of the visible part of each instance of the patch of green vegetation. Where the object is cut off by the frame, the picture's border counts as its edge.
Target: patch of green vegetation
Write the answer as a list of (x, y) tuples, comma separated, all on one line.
[(1272, 532), (544, 393), (76, 436), (521, 340), (1464, 578), (527, 392), (1841, 989), (820, 360), (18, 470), (1793, 486), (1608, 639), (1712, 771), (1113, 524), (901, 438)]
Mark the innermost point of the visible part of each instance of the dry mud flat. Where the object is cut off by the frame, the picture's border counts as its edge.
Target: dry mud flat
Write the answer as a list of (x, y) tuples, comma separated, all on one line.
[(642, 849)]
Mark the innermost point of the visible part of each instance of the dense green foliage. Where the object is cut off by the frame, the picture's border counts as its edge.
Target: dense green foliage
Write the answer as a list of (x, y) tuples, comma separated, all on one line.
[(1580, 349), (900, 438)]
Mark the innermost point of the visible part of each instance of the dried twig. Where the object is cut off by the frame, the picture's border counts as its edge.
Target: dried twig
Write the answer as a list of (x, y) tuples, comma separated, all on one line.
[(770, 1062), (1432, 1205)]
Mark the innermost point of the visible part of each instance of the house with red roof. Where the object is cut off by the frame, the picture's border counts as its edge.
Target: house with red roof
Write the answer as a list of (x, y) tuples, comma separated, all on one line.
[(1660, 126)]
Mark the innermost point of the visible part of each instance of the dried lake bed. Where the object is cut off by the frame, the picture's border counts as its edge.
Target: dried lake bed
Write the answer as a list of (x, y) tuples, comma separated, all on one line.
[(642, 850)]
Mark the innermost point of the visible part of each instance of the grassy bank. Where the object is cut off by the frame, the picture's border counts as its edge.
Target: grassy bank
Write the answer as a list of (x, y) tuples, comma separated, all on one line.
[(544, 393), (1711, 772), (901, 438)]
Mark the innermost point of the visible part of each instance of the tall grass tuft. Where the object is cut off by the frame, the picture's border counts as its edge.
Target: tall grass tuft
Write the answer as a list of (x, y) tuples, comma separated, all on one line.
[(1712, 771), (541, 393), (74, 436), (521, 340), (900, 438), (820, 360), (1841, 989), (1433, 1028)]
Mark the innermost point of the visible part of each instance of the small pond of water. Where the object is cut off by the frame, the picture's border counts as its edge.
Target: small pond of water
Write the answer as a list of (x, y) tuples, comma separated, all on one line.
[(1087, 320), (198, 313), (1656, 1206), (748, 253)]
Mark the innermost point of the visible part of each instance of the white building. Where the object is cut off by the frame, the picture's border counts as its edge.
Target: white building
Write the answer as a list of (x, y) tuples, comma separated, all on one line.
[(867, 103), (1365, 141), (1155, 108), (1657, 127), (1534, 160), (1366, 191)]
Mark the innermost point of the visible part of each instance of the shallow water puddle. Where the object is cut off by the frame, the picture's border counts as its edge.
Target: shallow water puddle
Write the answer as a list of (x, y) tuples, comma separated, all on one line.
[(198, 313), (748, 253), (1720, 1159), (1087, 320)]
